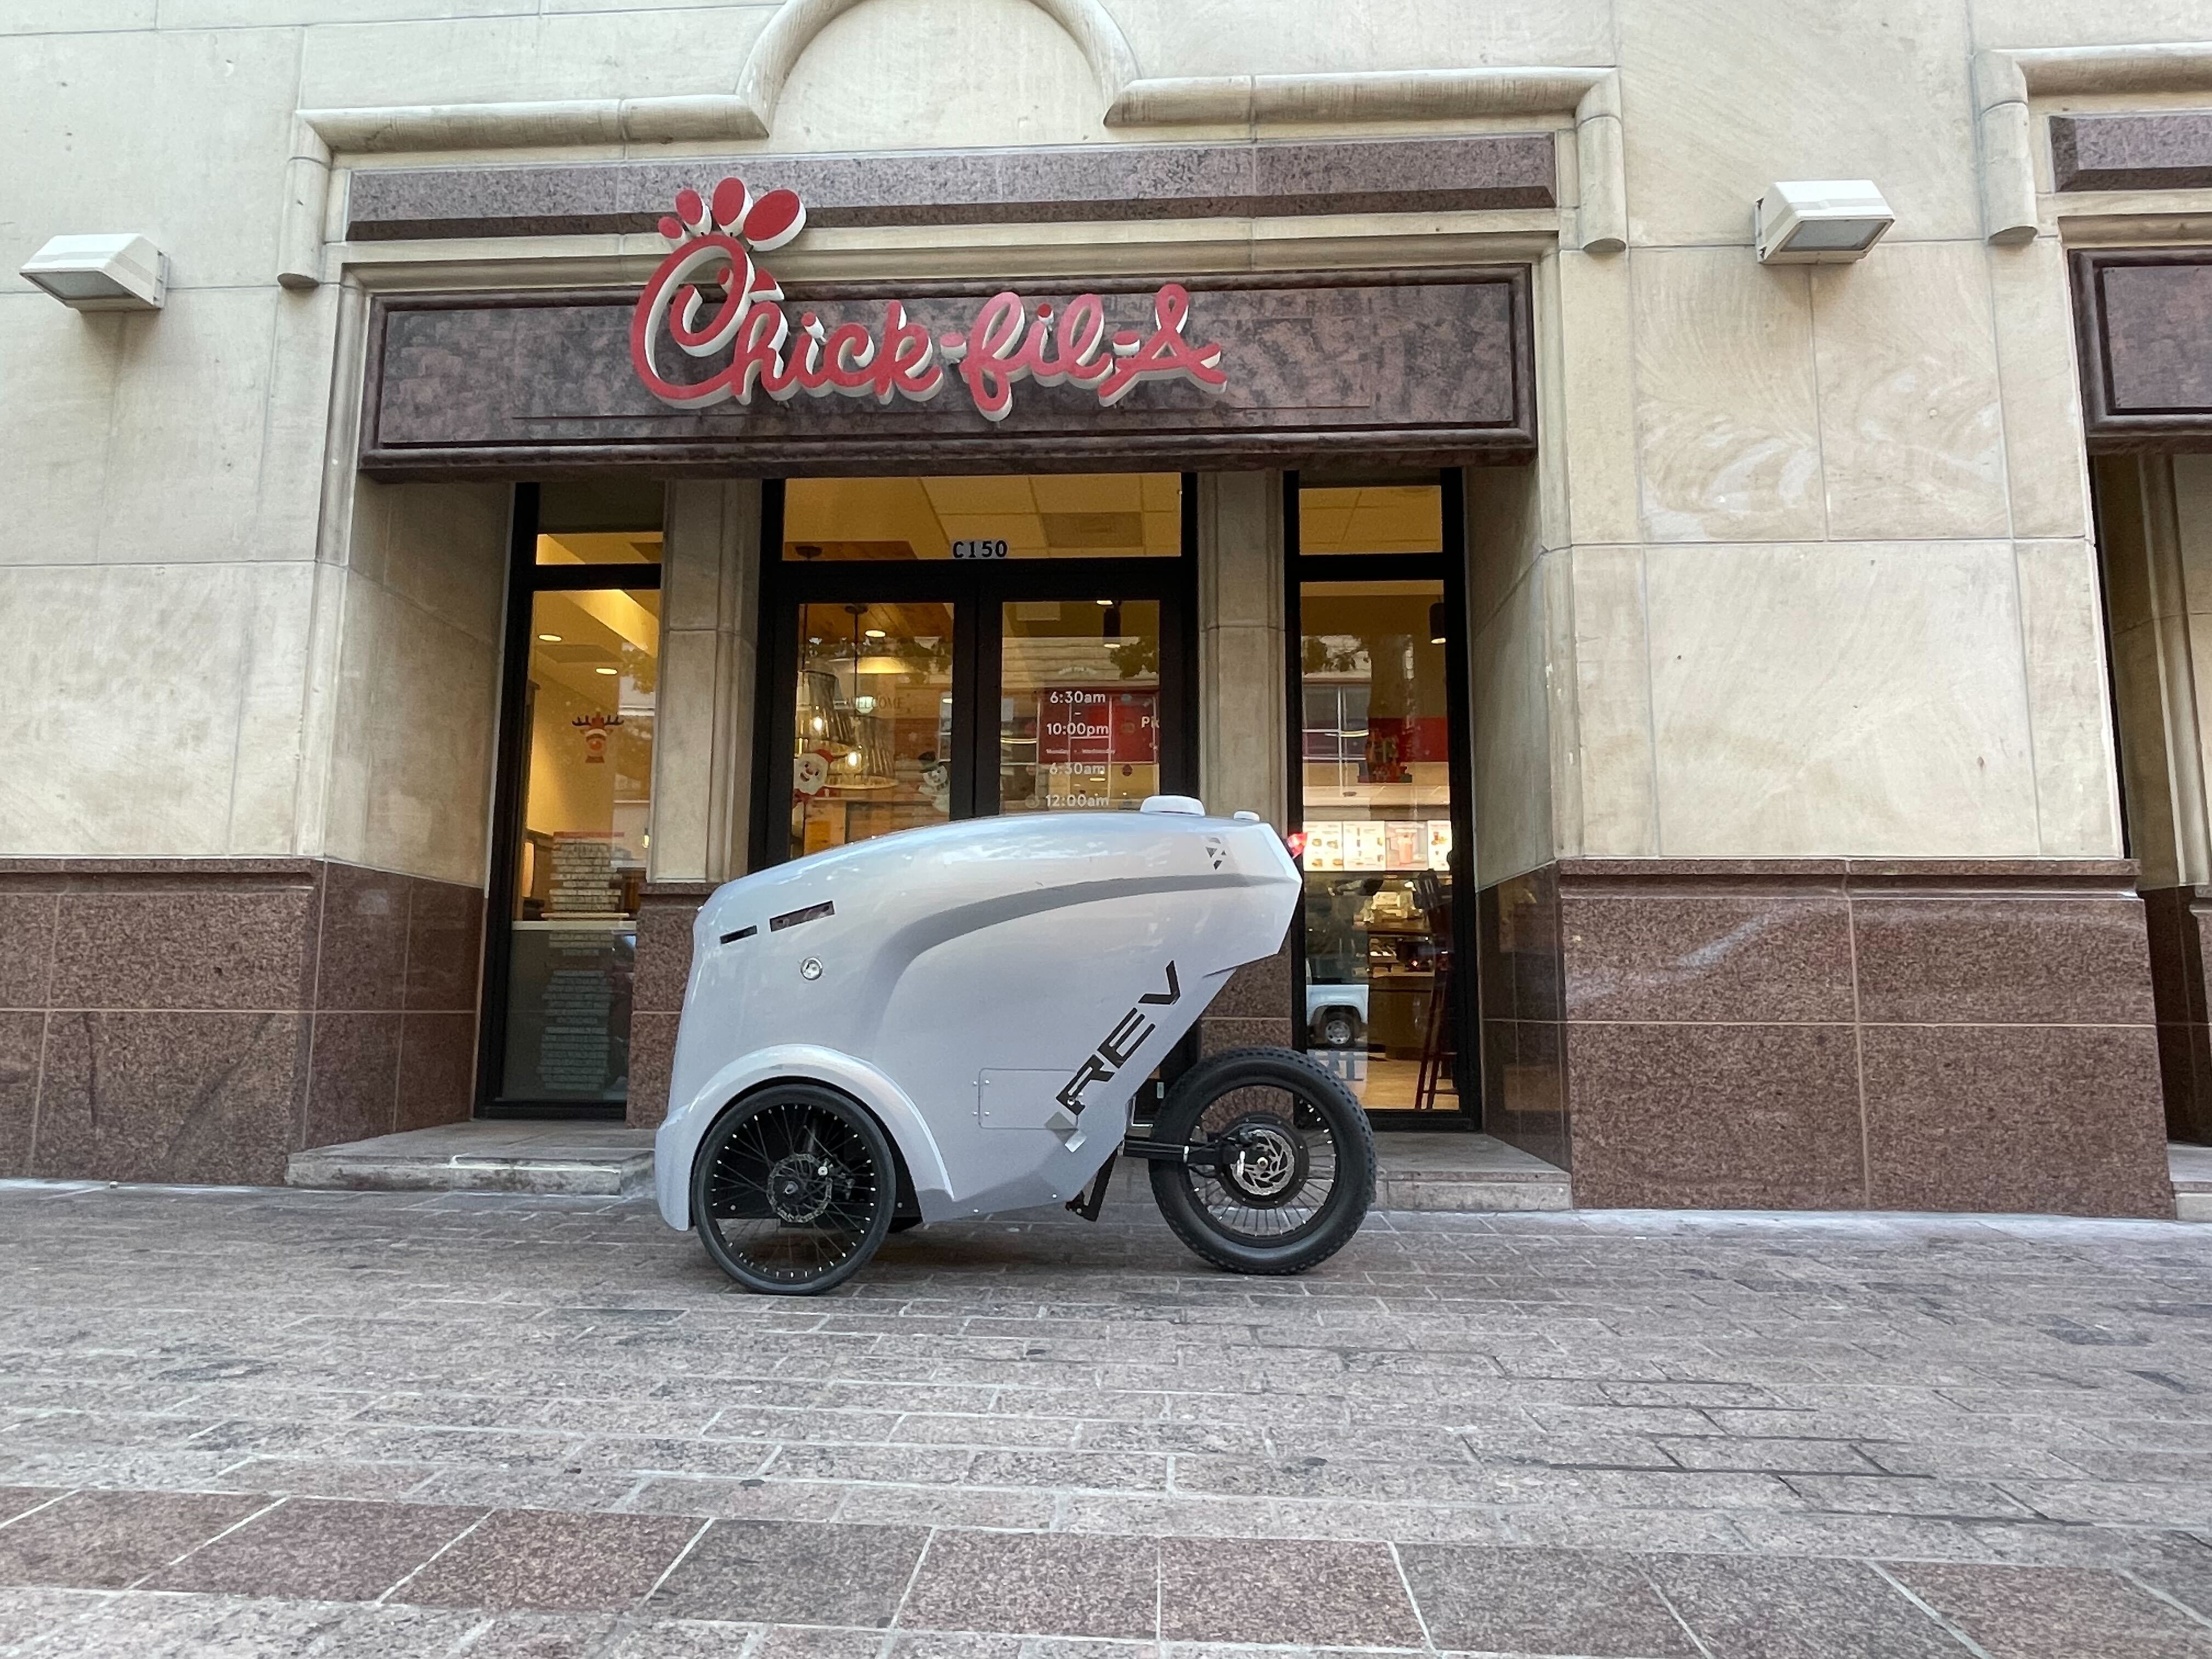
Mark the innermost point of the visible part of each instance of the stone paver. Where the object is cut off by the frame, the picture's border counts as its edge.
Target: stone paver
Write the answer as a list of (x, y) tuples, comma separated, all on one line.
[(340, 1424)]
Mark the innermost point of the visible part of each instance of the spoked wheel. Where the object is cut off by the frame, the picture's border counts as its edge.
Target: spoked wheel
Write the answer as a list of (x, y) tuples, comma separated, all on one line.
[(1283, 1162), (793, 1189)]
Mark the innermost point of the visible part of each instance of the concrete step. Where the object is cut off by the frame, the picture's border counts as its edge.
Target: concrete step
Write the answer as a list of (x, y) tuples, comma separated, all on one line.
[(584, 1159), (2191, 1170), (1422, 1170)]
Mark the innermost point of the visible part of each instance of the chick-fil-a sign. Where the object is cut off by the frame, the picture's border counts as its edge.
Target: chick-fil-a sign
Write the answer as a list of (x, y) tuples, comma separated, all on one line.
[(716, 237)]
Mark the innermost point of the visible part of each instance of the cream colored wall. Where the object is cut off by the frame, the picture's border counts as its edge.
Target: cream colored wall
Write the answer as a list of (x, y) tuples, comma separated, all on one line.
[(1847, 504), (415, 693)]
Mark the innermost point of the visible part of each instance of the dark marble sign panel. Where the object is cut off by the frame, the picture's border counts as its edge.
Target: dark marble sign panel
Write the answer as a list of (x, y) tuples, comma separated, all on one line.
[(2152, 150), (1427, 366), (1069, 183), (2144, 324)]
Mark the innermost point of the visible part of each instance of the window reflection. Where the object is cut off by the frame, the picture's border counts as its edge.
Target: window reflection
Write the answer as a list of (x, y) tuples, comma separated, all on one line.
[(871, 738)]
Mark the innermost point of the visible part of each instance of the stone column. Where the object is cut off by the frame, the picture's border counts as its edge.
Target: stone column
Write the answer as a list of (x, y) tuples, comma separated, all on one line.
[(1244, 741), (702, 753), (1243, 735)]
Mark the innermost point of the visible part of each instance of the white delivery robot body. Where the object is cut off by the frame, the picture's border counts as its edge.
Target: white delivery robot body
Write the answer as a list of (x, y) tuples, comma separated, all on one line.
[(991, 993)]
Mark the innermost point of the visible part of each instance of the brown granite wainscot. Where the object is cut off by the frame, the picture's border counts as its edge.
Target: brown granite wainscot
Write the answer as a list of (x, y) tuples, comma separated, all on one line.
[(665, 911), (1829, 1034), (199, 1019)]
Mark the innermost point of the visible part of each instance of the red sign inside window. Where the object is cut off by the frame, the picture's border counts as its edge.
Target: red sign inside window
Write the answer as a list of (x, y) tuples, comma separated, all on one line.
[(1078, 726)]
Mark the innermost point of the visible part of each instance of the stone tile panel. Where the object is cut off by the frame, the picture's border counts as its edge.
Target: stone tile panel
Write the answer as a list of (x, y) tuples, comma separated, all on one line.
[(353, 1077), (319, 1549), (794, 1572), (2014, 960), (1305, 1595), (245, 946), (362, 954), (203, 1098), (2026, 1118), (1708, 956), (1722, 1117), (575, 1563), (23, 1045), (27, 937), (445, 945), (105, 1540), (437, 1080), (1537, 1600), (1051, 1583)]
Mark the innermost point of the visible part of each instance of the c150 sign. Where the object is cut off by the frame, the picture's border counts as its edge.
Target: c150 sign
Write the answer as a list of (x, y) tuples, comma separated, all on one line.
[(716, 238)]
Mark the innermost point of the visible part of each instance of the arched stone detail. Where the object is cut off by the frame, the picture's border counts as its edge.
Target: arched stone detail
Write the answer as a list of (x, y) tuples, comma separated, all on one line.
[(777, 50)]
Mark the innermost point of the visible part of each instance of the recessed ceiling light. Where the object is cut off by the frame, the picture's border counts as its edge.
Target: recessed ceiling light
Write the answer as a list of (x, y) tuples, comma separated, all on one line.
[(604, 670), (551, 639), (873, 633), (1106, 602)]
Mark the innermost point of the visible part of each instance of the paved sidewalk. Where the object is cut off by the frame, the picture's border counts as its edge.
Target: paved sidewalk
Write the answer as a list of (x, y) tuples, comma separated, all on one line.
[(281, 1423)]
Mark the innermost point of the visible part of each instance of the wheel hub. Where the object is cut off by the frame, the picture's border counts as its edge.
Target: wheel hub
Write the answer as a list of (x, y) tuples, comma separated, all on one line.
[(1265, 1160), (799, 1187)]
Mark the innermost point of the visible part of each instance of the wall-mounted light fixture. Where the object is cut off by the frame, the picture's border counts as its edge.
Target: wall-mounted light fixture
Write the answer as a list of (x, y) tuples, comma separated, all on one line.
[(1820, 222), (121, 273)]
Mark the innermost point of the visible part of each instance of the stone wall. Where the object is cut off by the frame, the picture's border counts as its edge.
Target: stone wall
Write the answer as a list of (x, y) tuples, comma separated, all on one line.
[(1829, 1034), (196, 1020)]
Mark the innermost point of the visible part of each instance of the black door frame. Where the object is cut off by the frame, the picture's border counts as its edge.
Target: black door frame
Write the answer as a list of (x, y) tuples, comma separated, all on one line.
[(976, 589), (527, 578), (1448, 566)]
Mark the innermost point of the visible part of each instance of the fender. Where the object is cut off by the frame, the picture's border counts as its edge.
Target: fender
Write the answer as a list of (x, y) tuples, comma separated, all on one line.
[(676, 1144)]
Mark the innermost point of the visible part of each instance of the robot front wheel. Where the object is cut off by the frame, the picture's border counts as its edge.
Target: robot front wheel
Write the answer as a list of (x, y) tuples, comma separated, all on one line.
[(794, 1188)]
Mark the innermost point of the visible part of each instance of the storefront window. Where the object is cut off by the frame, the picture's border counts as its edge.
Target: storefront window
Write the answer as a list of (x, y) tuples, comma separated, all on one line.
[(1375, 793), (1079, 705), (871, 738), (582, 803), (1070, 515)]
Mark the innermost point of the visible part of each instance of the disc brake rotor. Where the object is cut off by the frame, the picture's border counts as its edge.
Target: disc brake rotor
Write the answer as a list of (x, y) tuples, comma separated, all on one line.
[(800, 1187), (1265, 1161)]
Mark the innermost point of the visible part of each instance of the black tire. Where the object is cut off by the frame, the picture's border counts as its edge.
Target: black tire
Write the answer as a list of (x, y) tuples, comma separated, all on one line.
[(1299, 1195), (794, 1188)]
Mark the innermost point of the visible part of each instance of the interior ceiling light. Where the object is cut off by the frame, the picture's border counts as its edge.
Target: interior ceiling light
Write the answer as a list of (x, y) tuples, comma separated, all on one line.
[(1820, 221), (1436, 622), (551, 639), (873, 633), (604, 670)]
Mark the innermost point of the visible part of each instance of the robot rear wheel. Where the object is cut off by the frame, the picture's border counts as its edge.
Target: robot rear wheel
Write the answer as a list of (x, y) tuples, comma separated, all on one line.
[(1279, 1167), (794, 1188)]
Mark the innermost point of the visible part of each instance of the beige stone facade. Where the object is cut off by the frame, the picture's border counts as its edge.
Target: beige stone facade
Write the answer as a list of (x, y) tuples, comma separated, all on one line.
[(1802, 586)]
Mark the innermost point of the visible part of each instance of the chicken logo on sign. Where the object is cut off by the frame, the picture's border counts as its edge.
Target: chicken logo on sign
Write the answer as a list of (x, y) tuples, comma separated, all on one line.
[(716, 238)]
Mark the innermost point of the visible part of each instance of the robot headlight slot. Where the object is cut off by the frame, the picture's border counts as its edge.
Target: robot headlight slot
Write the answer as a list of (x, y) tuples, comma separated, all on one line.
[(793, 917)]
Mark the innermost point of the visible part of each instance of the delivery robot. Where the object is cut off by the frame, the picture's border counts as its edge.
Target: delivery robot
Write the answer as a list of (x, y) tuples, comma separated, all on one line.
[(949, 1022)]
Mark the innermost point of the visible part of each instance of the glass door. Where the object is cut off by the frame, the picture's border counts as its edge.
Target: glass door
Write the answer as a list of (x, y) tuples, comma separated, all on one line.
[(945, 649), (1379, 789), (582, 678)]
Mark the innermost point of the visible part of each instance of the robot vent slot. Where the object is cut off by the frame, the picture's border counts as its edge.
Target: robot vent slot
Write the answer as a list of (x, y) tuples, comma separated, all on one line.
[(793, 917), (742, 932)]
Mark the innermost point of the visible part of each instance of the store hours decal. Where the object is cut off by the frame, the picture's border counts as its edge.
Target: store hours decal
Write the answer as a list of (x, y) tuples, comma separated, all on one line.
[(711, 295)]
